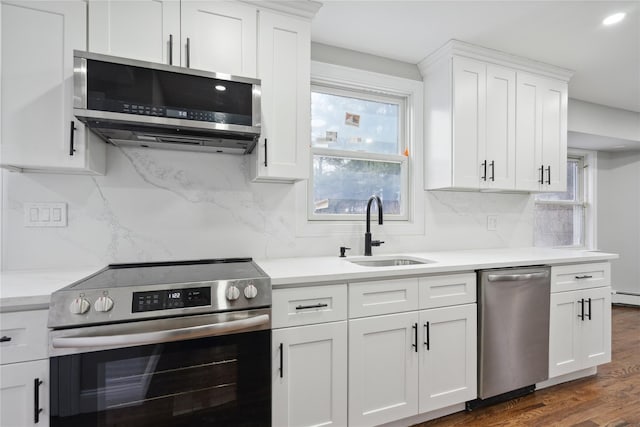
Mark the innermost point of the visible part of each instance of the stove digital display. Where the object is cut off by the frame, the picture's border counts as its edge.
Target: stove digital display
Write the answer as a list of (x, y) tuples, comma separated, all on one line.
[(168, 299)]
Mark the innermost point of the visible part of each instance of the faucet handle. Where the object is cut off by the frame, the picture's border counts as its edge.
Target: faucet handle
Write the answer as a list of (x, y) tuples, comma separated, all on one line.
[(376, 242), (343, 249)]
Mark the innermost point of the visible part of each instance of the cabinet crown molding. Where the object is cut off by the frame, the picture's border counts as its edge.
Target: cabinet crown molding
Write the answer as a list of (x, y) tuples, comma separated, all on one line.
[(457, 47), (304, 9)]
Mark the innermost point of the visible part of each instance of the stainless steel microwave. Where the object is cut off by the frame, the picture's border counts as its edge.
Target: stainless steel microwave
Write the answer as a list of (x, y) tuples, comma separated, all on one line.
[(130, 102)]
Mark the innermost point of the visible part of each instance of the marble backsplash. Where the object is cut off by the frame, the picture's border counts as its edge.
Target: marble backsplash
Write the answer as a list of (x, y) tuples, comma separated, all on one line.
[(159, 205)]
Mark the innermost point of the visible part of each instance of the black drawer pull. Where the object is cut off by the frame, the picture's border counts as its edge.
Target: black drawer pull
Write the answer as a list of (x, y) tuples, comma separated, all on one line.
[(5, 339), (428, 341), (36, 400), (589, 314), (585, 276), (415, 337), (305, 307), (484, 169), (72, 148), (581, 315)]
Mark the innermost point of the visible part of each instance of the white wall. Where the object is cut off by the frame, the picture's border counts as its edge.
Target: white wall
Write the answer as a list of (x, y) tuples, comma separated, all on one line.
[(158, 205), (619, 217)]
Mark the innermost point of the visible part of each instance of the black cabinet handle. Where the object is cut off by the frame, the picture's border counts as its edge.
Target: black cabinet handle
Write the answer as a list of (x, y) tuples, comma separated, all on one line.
[(71, 133), (484, 173), (549, 175), (581, 315), (585, 276), (428, 341), (493, 170), (281, 360), (170, 49), (5, 339), (188, 52), (415, 337), (265, 152), (36, 400), (541, 174), (589, 304), (304, 307)]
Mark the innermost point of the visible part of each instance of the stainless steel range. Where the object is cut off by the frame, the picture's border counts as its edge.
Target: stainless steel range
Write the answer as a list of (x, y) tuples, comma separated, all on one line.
[(170, 343)]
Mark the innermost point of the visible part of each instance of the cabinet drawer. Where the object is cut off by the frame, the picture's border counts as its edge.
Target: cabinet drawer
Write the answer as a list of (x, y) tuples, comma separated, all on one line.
[(442, 291), (382, 297), (308, 305), (580, 276), (24, 336)]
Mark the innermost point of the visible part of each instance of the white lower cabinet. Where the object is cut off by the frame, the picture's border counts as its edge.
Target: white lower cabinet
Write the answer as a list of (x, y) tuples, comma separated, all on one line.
[(383, 368), (310, 375), (409, 363), (22, 385), (447, 356), (580, 330)]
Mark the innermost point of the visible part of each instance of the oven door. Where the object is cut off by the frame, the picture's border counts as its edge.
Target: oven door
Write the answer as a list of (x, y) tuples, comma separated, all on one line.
[(207, 370)]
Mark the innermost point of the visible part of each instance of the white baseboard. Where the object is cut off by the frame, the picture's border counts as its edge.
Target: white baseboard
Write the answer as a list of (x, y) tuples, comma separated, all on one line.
[(618, 298), (567, 377), (427, 416)]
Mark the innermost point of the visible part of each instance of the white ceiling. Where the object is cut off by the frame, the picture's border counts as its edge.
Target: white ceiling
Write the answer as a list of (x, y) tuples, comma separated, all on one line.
[(569, 34)]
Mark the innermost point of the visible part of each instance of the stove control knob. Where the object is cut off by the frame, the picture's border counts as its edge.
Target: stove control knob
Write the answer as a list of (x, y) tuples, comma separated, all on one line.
[(103, 304), (79, 306), (250, 292), (233, 293)]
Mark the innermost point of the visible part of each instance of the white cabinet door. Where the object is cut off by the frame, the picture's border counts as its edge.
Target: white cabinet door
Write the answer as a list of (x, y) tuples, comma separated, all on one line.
[(541, 134), (564, 333), (469, 121), (20, 383), (219, 36), (284, 58), (554, 134), (310, 386), (383, 369), (596, 328), (580, 330), (500, 153), (147, 30), (447, 356), (39, 131)]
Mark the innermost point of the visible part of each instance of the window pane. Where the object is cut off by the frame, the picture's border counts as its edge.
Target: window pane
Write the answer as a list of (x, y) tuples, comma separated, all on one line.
[(573, 189), (343, 185), (345, 123), (558, 225)]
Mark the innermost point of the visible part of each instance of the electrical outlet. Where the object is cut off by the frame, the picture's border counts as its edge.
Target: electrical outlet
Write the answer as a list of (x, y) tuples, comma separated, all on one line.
[(45, 214), (492, 222)]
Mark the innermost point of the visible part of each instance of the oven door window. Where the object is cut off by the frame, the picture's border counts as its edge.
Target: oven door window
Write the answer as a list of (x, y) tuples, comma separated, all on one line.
[(221, 381)]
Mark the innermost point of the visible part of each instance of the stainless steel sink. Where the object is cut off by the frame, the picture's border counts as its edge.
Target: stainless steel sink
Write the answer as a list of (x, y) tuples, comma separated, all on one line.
[(389, 261)]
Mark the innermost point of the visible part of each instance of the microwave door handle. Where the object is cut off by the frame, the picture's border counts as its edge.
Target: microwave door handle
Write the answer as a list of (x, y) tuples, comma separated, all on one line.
[(154, 337)]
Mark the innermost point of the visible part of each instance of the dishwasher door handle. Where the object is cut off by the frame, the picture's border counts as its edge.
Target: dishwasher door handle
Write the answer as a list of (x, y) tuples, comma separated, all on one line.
[(517, 277)]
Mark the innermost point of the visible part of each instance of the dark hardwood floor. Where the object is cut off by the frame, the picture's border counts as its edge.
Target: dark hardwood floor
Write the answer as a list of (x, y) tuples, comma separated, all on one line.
[(610, 398)]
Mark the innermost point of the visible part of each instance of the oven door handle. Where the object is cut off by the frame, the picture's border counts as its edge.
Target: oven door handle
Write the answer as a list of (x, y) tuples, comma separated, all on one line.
[(154, 337)]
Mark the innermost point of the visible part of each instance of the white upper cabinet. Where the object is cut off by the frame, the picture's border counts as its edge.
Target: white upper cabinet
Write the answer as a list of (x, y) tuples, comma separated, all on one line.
[(484, 129), (284, 61), (541, 135), (219, 36), (148, 30), (39, 131)]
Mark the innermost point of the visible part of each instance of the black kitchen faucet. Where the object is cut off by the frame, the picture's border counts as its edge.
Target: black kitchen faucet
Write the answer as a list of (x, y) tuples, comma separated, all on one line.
[(368, 243)]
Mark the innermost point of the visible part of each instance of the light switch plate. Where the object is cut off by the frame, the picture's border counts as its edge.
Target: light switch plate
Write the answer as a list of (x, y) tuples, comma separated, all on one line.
[(45, 214), (492, 222)]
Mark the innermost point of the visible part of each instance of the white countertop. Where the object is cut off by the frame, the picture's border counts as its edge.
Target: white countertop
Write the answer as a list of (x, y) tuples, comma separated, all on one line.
[(299, 271), (31, 289)]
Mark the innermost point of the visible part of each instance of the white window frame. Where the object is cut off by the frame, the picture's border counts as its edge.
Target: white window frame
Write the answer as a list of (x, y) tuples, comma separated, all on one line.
[(403, 131), (586, 180), (413, 91)]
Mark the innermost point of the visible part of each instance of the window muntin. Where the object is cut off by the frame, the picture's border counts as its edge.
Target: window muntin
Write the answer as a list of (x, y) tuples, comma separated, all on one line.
[(358, 149), (560, 218)]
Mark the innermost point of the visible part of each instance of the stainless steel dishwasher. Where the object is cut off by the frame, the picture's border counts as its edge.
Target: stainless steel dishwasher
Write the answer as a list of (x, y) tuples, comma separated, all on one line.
[(513, 332)]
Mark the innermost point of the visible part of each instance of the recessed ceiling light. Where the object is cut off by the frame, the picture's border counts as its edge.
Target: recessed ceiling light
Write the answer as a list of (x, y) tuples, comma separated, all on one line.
[(614, 19), (619, 146), (220, 88)]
